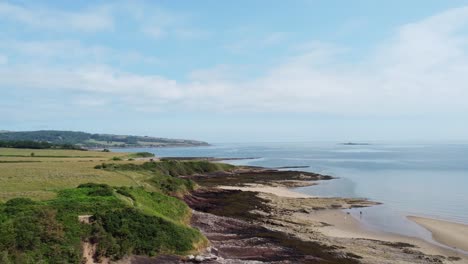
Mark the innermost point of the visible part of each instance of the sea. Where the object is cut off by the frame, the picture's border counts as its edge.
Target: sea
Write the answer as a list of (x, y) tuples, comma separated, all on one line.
[(428, 180)]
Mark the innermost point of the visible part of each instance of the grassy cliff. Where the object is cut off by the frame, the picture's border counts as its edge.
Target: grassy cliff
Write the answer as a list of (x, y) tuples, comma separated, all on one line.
[(50, 232), (132, 204)]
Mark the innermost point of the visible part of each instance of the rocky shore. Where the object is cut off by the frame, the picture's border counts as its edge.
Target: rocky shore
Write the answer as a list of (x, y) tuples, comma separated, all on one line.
[(248, 218)]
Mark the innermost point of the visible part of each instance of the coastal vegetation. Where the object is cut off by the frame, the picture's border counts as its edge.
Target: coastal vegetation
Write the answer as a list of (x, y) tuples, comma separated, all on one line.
[(88, 140), (124, 221), (166, 173), (141, 155), (29, 144), (132, 205)]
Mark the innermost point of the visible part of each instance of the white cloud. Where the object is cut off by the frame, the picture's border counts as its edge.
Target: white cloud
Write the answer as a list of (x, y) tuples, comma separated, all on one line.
[(97, 19), (159, 23), (70, 52), (217, 73), (145, 18), (424, 67)]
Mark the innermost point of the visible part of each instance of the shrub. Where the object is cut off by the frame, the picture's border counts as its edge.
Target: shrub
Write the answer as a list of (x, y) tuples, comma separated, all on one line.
[(49, 231), (119, 232), (143, 155)]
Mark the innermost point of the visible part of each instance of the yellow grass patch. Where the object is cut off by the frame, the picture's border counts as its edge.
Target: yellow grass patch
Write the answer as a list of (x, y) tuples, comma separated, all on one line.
[(41, 175)]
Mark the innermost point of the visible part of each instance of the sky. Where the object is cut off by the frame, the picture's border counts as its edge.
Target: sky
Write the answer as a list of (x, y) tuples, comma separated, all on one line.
[(238, 71)]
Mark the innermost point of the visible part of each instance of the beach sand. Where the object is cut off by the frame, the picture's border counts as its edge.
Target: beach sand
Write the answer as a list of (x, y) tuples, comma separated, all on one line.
[(278, 191), (335, 223), (447, 233)]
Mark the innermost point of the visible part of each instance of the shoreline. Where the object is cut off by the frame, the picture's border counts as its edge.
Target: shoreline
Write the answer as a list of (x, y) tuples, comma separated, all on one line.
[(249, 201), (276, 190), (339, 224), (451, 234)]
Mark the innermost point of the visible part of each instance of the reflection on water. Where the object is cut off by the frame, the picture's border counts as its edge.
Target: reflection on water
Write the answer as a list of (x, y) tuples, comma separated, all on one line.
[(383, 218), (416, 179), (341, 187)]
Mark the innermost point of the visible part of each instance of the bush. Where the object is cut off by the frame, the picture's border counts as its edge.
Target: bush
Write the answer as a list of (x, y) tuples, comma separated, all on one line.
[(30, 144), (119, 232), (50, 232), (143, 155)]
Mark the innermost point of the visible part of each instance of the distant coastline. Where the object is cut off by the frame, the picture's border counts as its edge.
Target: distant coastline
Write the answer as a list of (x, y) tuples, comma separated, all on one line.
[(97, 141)]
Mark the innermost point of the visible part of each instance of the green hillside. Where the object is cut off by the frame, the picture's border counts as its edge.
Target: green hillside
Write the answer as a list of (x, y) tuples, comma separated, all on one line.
[(89, 140), (131, 206)]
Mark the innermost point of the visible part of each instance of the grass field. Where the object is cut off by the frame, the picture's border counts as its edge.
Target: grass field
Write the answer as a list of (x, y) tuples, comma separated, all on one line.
[(41, 175)]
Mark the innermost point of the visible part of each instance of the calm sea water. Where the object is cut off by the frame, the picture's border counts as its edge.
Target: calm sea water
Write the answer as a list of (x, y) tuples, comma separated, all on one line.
[(409, 179)]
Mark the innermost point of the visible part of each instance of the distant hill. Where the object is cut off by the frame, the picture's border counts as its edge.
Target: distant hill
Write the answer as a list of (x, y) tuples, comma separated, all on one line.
[(89, 140)]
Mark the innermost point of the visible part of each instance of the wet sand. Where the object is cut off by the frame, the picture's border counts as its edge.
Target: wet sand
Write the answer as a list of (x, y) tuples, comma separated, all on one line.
[(346, 226), (340, 228), (451, 234), (448, 233)]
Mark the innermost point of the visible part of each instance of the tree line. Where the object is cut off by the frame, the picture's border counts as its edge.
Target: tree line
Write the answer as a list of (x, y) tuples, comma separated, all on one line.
[(29, 144)]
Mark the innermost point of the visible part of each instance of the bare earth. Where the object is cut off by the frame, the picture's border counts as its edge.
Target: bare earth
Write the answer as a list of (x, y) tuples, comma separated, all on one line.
[(448, 233)]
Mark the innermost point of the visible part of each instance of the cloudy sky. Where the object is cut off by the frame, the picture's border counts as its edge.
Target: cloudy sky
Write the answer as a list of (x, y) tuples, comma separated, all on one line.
[(238, 71)]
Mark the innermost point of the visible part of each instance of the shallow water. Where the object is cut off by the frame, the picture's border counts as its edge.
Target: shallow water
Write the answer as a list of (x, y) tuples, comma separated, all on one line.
[(409, 179)]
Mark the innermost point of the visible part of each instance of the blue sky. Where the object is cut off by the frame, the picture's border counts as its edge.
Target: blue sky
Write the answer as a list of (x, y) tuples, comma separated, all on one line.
[(237, 71)]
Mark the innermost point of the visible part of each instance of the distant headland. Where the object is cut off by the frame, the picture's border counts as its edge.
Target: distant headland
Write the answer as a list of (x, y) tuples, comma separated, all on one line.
[(88, 140)]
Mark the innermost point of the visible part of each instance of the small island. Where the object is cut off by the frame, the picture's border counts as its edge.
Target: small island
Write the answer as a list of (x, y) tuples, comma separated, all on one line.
[(355, 144)]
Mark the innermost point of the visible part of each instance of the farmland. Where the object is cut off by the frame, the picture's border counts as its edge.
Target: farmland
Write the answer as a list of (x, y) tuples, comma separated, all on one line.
[(38, 174)]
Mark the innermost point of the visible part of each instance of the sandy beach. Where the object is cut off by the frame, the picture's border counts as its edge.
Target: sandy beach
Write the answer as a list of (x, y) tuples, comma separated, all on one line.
[(335, 223), (279, 191), (344, 225), (448, 233)]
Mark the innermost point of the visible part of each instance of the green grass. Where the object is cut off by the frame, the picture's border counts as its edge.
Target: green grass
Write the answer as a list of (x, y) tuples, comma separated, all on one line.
[(59, 153), (158, 204), (49, 170), (164, 175), (173, 167), (141, 155)]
